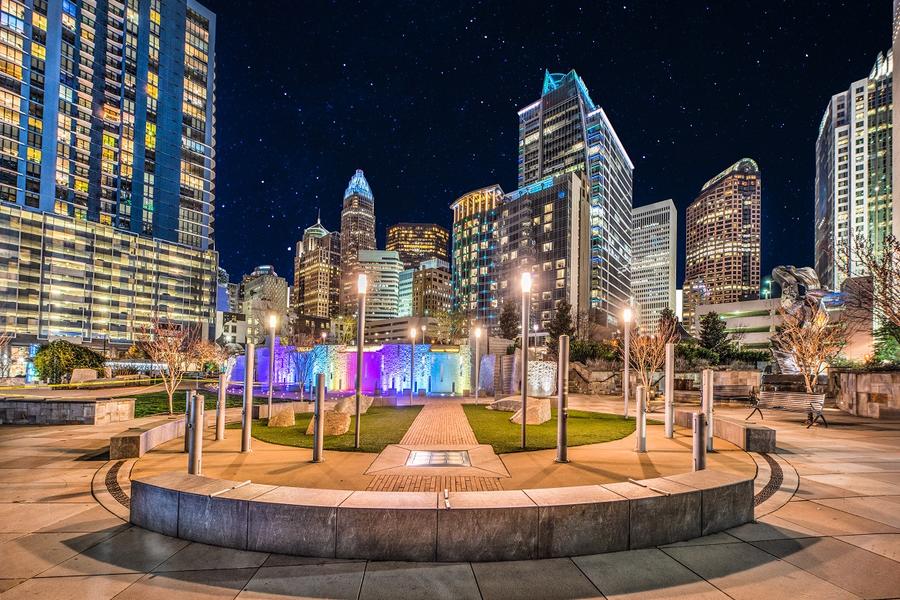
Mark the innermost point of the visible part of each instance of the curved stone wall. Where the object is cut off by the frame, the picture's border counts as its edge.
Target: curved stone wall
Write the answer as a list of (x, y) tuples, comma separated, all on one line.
[(424, 526)]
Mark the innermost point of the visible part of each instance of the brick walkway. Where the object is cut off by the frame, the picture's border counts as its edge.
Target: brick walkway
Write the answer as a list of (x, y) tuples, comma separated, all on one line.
[(426, 483), (440, 424)]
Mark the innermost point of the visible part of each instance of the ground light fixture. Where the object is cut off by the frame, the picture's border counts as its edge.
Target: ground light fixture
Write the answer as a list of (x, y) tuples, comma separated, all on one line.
[(273, 323), (362, 285), (526, 306), (412, 362), (626, 380), (477, 361)]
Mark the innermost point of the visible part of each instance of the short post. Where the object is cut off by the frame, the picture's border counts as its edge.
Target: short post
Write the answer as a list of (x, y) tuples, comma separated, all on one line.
[(247, 413), (640, 414), (670, 389), (699, 445), (195, 456), (319, 427), (562, 400), (220, 406), (707, 404), (187, 419)]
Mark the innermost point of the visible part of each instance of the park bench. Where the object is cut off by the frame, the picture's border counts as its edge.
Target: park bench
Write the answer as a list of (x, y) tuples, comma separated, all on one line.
[(812, 404), (732, 392)]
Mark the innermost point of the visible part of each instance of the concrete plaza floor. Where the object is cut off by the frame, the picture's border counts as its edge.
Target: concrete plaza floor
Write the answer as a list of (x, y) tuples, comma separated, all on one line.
[(838, 536)]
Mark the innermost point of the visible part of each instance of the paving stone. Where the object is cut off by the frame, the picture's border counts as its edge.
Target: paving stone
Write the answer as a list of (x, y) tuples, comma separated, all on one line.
[(189, 585), (876, 508), (332, 580), (26, 518), (34, 553), (408, 580), (829, 521), (92, 519), (133, 551), (885, 544), (95, 587), (197, 557), (522, 580)]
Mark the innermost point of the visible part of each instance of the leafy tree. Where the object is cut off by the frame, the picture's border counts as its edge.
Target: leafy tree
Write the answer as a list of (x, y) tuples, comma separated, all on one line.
[(585, 350), (712, 333), (561, 324), (668, 320), (56, 360), (509, 320), (887, 343)]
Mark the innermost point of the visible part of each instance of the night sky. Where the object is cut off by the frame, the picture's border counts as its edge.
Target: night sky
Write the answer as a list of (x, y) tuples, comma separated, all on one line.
[(424, 99)]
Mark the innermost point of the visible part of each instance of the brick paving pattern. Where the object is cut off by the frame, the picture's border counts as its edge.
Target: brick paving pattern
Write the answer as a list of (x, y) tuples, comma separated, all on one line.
[(440, 424), (433, 483)]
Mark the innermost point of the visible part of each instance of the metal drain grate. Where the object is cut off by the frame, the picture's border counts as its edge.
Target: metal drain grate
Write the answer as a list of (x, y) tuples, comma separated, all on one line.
[(438, 458)]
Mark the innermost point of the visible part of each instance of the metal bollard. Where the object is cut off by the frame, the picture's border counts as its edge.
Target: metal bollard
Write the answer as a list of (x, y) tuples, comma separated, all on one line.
[(247, 414), (699, 441), (640, 417), (187, 419), (670, 390), (319, 427), (562, 395), (707, 405), (220, 407), (195, 456)]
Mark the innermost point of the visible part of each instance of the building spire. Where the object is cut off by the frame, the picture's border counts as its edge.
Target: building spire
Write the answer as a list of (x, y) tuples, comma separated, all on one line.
[(358, 185)]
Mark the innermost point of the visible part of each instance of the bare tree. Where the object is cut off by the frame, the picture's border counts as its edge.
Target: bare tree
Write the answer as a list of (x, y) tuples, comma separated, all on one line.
[(881, 294), (810, 337), (648, 352), (301, 358), (176, 348), (5, 357)]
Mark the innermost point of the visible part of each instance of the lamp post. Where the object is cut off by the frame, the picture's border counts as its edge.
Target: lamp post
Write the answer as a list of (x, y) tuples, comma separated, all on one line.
[(273, 322), (362, 283), (526, 306), (423, 334), (626, 383), (477, 362), (412, 362)]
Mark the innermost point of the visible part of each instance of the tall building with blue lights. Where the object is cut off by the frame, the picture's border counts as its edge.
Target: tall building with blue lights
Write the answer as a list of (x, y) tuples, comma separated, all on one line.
[(357, 234), (562, 132)]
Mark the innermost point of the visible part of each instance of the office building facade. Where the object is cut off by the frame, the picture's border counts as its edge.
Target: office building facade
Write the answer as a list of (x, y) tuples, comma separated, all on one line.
[(431, 289), (357, 234), (654, 247), (405, 293), (417, 242), (723, 239), (854, 174), (317, 272), (382, 268), (263, 293), (544, 229), (565, 132), (474, 241)]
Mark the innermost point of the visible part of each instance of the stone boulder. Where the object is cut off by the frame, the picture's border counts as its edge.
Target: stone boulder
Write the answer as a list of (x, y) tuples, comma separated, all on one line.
[(348, 405), (282, 416), (336, 423), (80, 375), (538, 412), (508, 404)]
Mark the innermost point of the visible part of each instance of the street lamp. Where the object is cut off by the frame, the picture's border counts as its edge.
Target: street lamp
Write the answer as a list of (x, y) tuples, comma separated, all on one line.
[(273, 322), (526, 306), (412, 362), (362, 283), (324, 336), (423, 334), (626, 384), (477, 361)]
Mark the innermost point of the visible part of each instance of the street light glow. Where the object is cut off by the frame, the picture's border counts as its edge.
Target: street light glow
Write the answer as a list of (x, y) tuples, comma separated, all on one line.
[(362, 282), (477, 332), (526, 282), (412, 333), (626, 315), (273, 320)]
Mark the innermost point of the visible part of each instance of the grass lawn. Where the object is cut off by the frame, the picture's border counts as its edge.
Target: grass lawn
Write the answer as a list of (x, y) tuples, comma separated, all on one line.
[(157, 403), (381, 426), (493, 427)]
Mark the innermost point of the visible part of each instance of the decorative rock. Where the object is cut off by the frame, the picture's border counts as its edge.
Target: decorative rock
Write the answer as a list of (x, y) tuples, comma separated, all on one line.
[(336, 423), (508, 404), (80, 375), (283, 417), (538, 412), (348, 405)]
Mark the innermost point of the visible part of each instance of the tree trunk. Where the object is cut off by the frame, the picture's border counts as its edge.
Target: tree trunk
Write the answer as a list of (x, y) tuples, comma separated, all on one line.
[(171, 404)]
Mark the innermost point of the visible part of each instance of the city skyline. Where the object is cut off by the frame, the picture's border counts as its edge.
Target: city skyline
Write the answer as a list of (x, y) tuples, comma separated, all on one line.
[(321, 119)]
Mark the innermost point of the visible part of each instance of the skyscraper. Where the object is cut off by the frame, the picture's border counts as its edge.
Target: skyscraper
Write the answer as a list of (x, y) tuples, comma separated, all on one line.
[(357, 234), (565, 131), (654, 246), (263, 293), (854, 192), (431, 289), (112, 104), (317, 272), (723, 239), (382, 268), (474, 231), (417, 242)]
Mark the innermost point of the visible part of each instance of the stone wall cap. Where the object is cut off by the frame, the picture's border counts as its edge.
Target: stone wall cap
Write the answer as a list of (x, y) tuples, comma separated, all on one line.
[(304, 496), (708, 479), (578, 494), (666, 485), (493, 499), (182, 482), (399, 500), (246, 492), (630, 490)]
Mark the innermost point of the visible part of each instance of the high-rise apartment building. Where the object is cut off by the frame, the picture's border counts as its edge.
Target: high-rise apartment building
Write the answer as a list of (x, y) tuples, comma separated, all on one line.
[(107, 116), (854, 192), (473, 279), (382, 267), (654, 246), (357, 234), (544, 228), (431, 289), (417, 242), (723, 239), (405, 293), (263, 293), (317, 273), (565, 131)]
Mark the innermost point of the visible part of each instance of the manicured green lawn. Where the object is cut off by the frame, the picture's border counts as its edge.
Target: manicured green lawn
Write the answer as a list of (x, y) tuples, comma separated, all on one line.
[(380, 427), (493, 427), (157, 403)]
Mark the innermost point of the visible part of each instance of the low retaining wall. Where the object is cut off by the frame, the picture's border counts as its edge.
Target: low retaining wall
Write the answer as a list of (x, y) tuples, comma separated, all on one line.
[(422, 526), (137, 441), (875, 394), (745, 435), (57, 411)]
